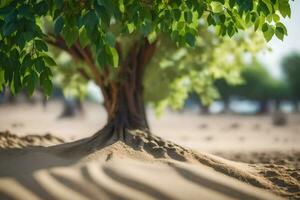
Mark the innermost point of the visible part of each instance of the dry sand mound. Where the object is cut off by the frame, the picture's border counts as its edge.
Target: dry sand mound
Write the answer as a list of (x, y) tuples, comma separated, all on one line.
[(9, 140), (128, 179), (151, 169), (281, 168)]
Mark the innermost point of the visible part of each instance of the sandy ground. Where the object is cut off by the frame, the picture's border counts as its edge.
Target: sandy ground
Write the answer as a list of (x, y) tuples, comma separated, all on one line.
[(119, 172), (209, 133)]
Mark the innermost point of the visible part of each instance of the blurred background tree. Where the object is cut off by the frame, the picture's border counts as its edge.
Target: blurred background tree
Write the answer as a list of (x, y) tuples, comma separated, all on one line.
[(291, 70), (257, 87)]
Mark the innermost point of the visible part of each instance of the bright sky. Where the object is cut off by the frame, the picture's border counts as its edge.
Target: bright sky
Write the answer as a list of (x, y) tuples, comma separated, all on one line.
[(290, 43)]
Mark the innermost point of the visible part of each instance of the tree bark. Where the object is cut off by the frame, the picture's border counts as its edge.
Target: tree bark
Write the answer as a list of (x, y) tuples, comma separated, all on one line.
[(123, 98)]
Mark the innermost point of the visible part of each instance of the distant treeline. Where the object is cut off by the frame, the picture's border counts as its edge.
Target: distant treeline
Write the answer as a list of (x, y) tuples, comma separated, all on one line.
[(259, 86)]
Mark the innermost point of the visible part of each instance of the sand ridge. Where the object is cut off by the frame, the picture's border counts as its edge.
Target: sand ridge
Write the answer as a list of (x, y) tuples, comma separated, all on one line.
[(9, 140), (160, 160), (128, 179)]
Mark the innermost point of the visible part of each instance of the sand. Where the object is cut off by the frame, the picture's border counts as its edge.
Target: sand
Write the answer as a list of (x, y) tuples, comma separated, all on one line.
[(44, 167), (120, 171)]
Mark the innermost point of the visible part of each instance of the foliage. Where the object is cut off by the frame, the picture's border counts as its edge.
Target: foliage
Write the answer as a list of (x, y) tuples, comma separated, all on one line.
[(68, 76), (174, 73), (257, 85), (280, 90), (25, 63), (291, 69)]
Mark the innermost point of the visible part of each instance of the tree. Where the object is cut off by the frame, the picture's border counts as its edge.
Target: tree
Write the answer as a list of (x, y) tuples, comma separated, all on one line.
[(291, 69), (280, 91), (258, 85), (115, 40), (255, 84), (227, 90)]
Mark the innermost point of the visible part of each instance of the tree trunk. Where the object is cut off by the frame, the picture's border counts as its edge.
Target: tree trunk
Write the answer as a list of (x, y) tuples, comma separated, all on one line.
[(277, 103), (295, 106), (125, 107), (123, 98), (263, 107), (204, 110), (226, 102)]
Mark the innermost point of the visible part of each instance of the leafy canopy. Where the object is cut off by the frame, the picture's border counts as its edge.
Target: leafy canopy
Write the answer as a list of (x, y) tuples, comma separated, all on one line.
[(257, 85), (25, 63)]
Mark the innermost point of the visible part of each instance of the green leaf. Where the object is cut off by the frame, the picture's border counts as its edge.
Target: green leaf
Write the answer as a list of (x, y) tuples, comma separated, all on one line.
[(177, 14), (40, 45), (8, 73), (217, 7), (256, 25), (110, 39), (284, 8), (130, 27), (232, 3), (152, 37), (49, 61), (113, 55), (253, 17), (9, 29), (58, 26), (12, 16), (2, 80), (190, 39), (59, 3), (222, 18), (31, 81), (276, 18), (24, 11), (230, 30), (279, 32), (26, 63), (102, 57), (146, 27), (39, 64), (245, 5), (70, 35), (45, 82), (268, 32), (264, 8), (17, 82), (282, 26), (21, 41), (47, 87), (210, 19), (28, 35), (4, 3), (201, 8), (265, 27), (188, 17), (41, 8), (83, 37)]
